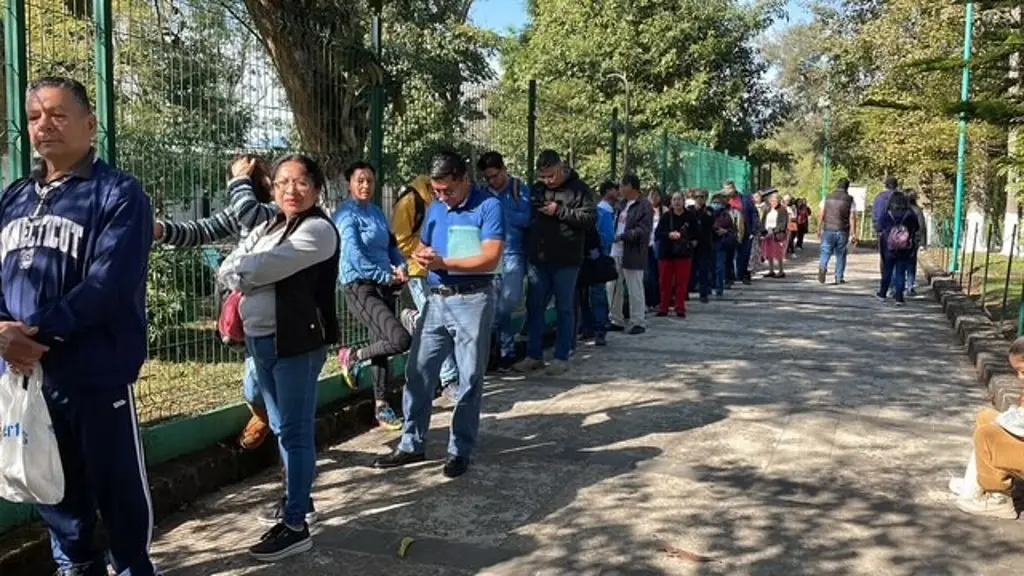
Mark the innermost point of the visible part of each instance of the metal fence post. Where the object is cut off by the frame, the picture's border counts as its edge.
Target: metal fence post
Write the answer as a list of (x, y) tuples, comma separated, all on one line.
[(377, 114), (17, 68), (970, 275), (615, 142), (1006, 281), (106, 138), (988, 257), (531, 130), (964, 255)]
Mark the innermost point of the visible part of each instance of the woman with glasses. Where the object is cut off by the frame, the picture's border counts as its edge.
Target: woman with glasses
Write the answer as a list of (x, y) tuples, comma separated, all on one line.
[(286, 271), (373, 271)]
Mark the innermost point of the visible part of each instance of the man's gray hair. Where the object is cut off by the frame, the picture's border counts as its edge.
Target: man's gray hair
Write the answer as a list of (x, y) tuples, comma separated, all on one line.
[(73, 87)]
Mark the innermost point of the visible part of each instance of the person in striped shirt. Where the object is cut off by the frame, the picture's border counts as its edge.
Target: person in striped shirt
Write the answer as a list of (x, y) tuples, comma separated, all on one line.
[(250, 206)]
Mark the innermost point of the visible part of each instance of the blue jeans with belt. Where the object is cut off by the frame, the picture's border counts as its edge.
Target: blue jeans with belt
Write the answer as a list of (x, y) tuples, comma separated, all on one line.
[(449, 323), (289, 389), (420, 291), (834, 242)]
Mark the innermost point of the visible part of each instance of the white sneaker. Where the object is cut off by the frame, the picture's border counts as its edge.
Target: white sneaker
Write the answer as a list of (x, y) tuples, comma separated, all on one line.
[(956, 485), (991, 504), (557, 368), (528, 365)]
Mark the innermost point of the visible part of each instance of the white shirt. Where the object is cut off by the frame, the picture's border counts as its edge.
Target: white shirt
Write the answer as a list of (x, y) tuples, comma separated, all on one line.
[(771, 220), (620, 228), (654, 224)]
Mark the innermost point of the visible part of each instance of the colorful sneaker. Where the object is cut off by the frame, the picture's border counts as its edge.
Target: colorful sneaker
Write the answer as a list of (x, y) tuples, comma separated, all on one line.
[(991, 504), (348, 359), (281, 542), (408, 318), (387, 419)]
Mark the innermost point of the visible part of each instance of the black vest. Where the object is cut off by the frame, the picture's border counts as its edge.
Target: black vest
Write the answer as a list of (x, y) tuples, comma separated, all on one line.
[(307, 316)]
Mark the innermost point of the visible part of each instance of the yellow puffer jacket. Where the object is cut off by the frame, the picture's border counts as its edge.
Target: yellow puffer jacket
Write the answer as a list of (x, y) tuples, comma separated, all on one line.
[(403, 221)]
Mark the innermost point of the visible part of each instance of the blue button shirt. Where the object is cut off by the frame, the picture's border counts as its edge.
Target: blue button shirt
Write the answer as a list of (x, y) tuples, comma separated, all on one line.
[(368, 251), (481, 211)]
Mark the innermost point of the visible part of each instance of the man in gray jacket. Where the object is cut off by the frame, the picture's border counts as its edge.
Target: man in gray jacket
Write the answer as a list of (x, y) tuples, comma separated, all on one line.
[(634, 219)]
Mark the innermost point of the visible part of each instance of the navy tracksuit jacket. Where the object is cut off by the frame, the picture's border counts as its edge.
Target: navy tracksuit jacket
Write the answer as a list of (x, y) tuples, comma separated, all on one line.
[(74, 256)]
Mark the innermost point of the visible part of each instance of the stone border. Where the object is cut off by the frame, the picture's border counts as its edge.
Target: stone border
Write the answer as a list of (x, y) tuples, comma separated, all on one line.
[(986, 346)]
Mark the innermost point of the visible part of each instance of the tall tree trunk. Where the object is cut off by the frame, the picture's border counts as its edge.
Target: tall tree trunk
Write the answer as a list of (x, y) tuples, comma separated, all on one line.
[(326, 71)]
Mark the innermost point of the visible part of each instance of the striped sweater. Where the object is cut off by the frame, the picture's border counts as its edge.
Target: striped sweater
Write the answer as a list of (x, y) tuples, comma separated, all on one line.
[(243, 214)]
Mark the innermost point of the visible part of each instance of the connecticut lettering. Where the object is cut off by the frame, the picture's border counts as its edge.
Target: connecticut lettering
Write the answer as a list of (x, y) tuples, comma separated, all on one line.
[(48, 231)]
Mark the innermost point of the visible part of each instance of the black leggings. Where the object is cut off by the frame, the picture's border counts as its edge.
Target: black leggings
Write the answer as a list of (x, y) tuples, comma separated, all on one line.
[(374, 306)]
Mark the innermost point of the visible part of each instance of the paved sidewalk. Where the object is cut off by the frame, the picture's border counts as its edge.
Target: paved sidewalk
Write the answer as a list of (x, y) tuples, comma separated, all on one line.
[(790, 428)]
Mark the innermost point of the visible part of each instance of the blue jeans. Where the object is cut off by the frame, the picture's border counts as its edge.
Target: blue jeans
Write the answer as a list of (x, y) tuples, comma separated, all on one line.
[(459, 325), (912, 271), (513, 275), (721, 259), (598, 309), (834, 242), (546, 281), (251, 386), (418, 290), (289, 388), (652, 295), (895, 273)]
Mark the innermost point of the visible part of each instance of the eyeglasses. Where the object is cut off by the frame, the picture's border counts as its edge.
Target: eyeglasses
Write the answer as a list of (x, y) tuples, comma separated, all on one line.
[(300, 184)]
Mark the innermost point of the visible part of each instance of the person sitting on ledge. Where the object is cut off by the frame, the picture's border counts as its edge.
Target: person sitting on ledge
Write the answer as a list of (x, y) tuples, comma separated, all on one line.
[(998, 458)]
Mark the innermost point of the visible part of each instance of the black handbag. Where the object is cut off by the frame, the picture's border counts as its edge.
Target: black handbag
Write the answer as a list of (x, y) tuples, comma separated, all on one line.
[(598, 271)]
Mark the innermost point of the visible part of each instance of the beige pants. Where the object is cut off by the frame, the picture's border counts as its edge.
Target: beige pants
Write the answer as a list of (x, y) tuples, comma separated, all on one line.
[(633, 281), (1000, 454)]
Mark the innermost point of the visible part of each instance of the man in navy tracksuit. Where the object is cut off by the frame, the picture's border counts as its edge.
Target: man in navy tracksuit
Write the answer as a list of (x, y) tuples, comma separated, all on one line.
[(74, 251)]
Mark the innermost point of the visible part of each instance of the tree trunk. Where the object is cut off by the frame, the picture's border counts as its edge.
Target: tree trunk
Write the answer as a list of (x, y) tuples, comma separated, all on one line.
[(327, 73)]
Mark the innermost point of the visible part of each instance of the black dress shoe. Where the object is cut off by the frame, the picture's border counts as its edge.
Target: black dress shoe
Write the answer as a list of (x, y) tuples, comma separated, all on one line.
[(456, 466), (398, 458)]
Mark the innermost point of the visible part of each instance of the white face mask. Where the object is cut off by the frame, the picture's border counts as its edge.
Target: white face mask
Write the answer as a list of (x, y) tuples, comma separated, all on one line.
[(690, 202)]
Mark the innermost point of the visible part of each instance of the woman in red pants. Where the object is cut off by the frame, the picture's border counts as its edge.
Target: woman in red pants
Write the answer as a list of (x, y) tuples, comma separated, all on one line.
[(677, 233)]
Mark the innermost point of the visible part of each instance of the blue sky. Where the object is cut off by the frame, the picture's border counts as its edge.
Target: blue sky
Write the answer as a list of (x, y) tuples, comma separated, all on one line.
[(505, 15)]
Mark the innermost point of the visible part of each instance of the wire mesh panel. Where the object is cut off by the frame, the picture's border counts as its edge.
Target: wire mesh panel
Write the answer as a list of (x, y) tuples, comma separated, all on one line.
[(687, 165)]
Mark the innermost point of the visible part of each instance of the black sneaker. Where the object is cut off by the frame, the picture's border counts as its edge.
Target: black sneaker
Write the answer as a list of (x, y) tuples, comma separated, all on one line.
[(398, 458), (600, 340), (505, 364), (281, 542), (821, 275), (455, 466), (637, 330), (912, 292), (615, 328), (704, 299), (273, 514)]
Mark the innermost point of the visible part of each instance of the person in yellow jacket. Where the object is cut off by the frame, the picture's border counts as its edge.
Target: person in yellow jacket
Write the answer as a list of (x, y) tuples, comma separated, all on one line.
[(406, 223)]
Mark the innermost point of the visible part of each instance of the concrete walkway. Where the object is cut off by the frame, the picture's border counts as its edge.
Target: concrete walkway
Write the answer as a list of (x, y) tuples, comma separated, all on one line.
[(789, 429)]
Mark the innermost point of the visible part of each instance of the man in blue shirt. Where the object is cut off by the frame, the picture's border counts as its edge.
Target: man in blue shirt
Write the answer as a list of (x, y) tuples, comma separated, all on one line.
[(74, 255), (462, 239), (515, 204)]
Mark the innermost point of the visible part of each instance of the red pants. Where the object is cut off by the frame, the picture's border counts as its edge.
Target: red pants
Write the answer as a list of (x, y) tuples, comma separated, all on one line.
[(674, 273)]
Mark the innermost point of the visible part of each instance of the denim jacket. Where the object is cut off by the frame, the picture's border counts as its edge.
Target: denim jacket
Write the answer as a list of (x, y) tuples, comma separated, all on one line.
[(368, 249), (517, 214)]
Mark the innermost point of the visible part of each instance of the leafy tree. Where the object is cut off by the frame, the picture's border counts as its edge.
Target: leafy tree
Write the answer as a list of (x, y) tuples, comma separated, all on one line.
[(691, 67)]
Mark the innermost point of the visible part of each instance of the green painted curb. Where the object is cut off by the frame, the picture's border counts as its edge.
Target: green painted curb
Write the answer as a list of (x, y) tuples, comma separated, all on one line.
[(165, 442)]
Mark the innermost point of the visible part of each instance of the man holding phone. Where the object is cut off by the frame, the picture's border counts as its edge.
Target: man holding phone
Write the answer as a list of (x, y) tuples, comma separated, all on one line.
[(461, 242)]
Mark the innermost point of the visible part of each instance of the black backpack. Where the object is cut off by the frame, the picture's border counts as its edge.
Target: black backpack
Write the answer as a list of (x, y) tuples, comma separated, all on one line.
[(421, 207)]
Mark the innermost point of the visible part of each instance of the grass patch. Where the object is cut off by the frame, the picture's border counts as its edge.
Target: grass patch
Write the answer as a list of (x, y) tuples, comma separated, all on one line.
[(988, 289), (169, 390)]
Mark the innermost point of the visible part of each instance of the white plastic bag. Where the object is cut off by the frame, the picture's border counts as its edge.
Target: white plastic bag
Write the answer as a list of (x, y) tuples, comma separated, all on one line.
[(30, 469)]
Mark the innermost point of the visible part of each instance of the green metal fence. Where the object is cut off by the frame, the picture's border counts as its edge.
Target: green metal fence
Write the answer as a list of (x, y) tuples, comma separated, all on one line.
[(183, 86), (685, 165)]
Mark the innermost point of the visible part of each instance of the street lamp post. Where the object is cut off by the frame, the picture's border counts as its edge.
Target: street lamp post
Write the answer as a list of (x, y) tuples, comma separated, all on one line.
[(625, 131), (828, 126)]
